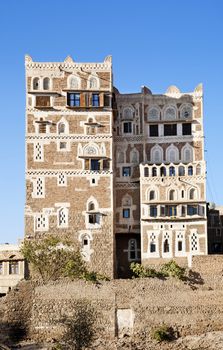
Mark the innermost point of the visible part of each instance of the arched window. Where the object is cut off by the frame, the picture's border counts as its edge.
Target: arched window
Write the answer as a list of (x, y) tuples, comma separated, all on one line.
[(166, 246), (190, 170), (172, 171), (172, 154), (61, 128), (91, 206), (186, 112), (46, 84), (73, 83), (198, 169), (192, 193), (120, 157), (163, 171), (153, 114), (181, 171), (156, 154), (171, 195), (154, 171), (93, 83), (63, 217), (127, 113), (187, 154), (134, 156), (151, 195), (146, 171), (170, 113), (152, 247), (36, 84)]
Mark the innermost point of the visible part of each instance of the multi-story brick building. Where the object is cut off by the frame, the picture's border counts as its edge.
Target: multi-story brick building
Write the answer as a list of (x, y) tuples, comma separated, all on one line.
[(122, 174)]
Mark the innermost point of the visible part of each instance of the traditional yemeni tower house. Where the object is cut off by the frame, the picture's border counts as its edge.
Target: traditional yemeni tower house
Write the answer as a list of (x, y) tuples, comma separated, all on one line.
[(69, 155), (122, 174)]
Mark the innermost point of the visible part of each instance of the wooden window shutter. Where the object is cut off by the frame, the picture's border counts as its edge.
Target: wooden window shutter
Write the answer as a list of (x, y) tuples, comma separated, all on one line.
[(90, 99), (101, 97), (82, 100), (87, 164)]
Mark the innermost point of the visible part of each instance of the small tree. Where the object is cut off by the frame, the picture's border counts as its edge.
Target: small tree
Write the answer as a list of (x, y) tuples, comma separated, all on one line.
[(52, 257)]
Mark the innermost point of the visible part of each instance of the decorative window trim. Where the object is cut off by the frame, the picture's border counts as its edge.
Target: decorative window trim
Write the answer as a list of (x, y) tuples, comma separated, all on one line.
[(66, 126), (149, 110), (183, 153), (37, 183), (38, 151), (61, 179), (65, 211), (175, 112), (168, 154), (41, 217), (125, 113), (153, 151), (180, 236), (95, 225), (69, 79), (66, 149), (193, 237), (153, 237), (97, 87), (167, 235), (136, 152), (182, 108), (86, 250)]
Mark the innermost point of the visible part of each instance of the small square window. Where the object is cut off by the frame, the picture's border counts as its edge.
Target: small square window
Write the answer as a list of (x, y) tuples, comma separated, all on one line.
[(152, 248), (180, 246), (186, 129), (1, 268), (63, 145), (93, 181), (126, 213), (126, 171), (85, 242)]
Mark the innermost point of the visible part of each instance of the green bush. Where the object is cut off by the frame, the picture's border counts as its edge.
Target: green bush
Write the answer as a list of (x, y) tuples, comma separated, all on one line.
[(141, 271), (172, 269), (163, 333)]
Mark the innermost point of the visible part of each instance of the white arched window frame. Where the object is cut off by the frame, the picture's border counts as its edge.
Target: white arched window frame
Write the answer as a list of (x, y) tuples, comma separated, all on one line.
[(36, 83), (93, 218), (46, 83), (91, 149), (134, 156), (62, 127), (120, 157), (85, 239), (128, 113), (73, 82), (153, 244), (156, 154), (187, 154), (172, 154), (153, 113), (167, 245), (62, 217), (93, 83), (186, 111), (180, 244), (170, 113)]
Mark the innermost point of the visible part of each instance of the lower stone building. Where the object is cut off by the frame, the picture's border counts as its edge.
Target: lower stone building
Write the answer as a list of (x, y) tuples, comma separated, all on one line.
[(12, 267)]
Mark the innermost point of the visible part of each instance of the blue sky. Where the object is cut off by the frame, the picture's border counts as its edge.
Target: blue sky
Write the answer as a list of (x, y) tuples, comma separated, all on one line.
[(153, 43)]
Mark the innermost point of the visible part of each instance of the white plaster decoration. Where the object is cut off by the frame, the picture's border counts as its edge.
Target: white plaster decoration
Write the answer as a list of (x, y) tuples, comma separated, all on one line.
[(85, 238), (38, 155), (62, 217), (128, 112), (180, 244), (167, 244), (38, 187), (91, 149), (63, 146), (62, 179), (93, 218), (93, 82), (153, 113), (134, 156), (73, 82), (172, 154), (187, 153), (63, 127), (41, 222), (186, 111), (157, 154), (170, 113), (153, 244), (120, 157), (194, 242)]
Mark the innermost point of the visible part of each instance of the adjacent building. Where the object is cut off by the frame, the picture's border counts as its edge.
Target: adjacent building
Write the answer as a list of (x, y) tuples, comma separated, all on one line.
[(12, 267), (123, 175)]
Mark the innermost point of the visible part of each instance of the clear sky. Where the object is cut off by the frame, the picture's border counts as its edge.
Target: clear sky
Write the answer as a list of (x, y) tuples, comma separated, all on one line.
[(153, 43)]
